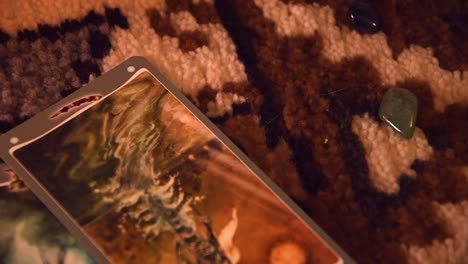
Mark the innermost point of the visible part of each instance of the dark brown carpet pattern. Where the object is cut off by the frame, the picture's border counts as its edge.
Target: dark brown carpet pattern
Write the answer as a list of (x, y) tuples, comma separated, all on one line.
[(297, 119)]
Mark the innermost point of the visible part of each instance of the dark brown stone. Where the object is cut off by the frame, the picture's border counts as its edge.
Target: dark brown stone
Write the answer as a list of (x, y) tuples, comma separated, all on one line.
[(440, 25), (307, 99)]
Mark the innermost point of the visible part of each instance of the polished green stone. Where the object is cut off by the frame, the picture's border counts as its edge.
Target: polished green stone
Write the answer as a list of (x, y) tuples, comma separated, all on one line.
[(398, 109)]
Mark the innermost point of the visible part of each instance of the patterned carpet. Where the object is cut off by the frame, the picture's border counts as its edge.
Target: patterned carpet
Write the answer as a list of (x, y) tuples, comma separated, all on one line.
[(297, 89)]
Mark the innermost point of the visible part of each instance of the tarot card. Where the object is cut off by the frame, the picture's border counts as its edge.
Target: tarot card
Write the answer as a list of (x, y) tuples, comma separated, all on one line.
[(139, 175), (29, 232)]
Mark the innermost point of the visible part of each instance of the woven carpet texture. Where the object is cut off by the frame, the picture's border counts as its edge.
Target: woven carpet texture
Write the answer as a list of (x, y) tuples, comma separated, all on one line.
[(296, 88)]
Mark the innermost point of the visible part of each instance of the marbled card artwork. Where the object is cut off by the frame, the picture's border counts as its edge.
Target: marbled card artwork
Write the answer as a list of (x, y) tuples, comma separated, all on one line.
[(150, 183)]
